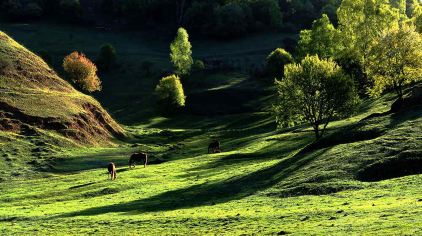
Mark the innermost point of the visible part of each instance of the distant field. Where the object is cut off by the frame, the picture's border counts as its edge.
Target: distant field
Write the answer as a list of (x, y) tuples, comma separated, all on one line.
[(61, 40), (127, 91)]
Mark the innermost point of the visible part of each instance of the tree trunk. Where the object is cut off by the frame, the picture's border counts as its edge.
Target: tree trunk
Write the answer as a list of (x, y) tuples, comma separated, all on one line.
[(316, 131)]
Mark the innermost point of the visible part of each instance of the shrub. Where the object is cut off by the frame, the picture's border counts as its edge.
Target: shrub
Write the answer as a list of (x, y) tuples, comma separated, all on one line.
[(81, 71), (170, 93), (107, 57), (276, 61), (198, 66)]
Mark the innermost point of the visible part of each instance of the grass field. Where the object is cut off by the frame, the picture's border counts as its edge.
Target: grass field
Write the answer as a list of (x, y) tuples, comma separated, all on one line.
[(261, 184), (265, 182)]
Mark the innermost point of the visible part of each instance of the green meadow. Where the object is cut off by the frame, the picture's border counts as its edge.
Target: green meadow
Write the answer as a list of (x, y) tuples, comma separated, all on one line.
[(264, 182)]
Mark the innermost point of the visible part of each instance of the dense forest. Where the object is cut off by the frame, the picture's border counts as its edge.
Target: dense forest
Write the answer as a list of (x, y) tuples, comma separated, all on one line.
[(216, 18)]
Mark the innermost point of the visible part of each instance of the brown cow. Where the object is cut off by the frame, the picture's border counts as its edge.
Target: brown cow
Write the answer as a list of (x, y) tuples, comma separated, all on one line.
[(214, 146), (112, 171), (138, 157)]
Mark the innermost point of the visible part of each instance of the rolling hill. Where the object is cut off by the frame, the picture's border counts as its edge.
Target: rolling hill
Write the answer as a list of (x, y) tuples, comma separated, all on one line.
[(40, 112), (34, 96)]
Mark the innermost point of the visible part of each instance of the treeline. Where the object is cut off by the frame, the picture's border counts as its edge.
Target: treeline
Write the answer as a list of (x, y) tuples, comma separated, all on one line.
[(215, 18), (375, 47)]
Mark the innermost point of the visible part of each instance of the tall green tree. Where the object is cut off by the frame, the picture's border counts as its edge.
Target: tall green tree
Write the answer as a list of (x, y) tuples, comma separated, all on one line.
[(181, 53), (396, 60), (361, 22), (314, 91), (320, 40)]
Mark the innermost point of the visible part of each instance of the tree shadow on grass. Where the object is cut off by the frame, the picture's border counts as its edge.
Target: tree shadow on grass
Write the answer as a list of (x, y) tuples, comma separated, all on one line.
[(274, 149), (209, 193)]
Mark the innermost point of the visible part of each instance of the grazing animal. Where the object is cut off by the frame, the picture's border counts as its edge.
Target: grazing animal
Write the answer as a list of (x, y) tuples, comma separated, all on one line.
[(138, 157), (214, 147), (112, 171)]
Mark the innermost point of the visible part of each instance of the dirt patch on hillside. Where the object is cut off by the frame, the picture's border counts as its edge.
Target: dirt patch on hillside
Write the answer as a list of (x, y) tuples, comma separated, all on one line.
[(93, 126)]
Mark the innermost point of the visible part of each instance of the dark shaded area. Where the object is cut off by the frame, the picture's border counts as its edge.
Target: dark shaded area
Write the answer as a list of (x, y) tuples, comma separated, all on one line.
[(81, 185), (314, 189), (346, 135), (104, 191), (412, 99), (406, 163), (224, 101)]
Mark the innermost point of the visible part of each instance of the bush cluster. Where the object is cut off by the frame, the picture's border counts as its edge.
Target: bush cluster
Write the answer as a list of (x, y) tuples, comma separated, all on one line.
[(81, 71)]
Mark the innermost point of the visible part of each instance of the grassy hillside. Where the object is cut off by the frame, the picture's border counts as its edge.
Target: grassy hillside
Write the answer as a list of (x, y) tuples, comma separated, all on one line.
[(363, 177), (40, 112)]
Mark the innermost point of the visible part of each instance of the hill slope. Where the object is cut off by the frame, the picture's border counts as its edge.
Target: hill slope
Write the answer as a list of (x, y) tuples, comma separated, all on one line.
[(34, 97)]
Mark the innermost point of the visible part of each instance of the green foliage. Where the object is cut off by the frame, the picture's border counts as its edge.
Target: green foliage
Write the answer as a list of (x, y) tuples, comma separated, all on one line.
[(331, 10), (200, 17), (231, 20), (361, 22), (71, 10), (170, 93), (276, 61), (321, 40), (107, 57), (181, 53), (22, 10), (352, 66), (418, 23), (396, 60), (81, 71), (417, 17), (267, 12), (315, 91)]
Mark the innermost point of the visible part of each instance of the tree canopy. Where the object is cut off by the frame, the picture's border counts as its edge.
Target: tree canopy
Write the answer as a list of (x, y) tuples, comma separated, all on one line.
[(321, 39), (81, 71), (361, 22), (396, 60), (181, 53), (315, 91)]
